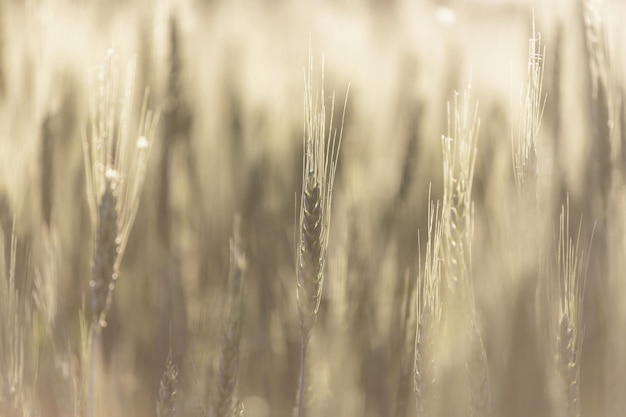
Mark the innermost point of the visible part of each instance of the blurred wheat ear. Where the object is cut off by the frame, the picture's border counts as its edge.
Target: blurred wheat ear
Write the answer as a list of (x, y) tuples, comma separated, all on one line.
[(604, 197), (11, 334), (115, 165), (166, 404), (459, 160), (226, 402), (320, 158)]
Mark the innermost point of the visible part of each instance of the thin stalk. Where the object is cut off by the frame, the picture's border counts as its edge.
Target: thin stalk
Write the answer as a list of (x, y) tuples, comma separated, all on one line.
[(302, 384), (91, 379)]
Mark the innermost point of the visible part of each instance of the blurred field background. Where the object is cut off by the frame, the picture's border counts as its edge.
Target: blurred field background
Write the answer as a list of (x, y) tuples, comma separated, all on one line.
[(227, 78)]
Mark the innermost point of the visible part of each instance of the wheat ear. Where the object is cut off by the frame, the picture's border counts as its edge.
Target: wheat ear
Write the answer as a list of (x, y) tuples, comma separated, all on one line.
[(566, 297), (166, 404), (428, 305), (115, 166), (524, 144), (226, 403), (607, 169), (459, 160), (321, 151), (605, 110), (12, 334)]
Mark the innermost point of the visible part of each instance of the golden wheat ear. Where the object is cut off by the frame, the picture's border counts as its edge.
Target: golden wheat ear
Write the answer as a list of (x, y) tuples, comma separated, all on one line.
[(321, 153), (115, 165), (428, 317), (459, 160), (566, 291), (524, 151)]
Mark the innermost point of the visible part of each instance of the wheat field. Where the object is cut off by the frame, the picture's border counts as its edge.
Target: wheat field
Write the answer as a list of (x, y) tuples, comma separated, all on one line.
[(337, 208)]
